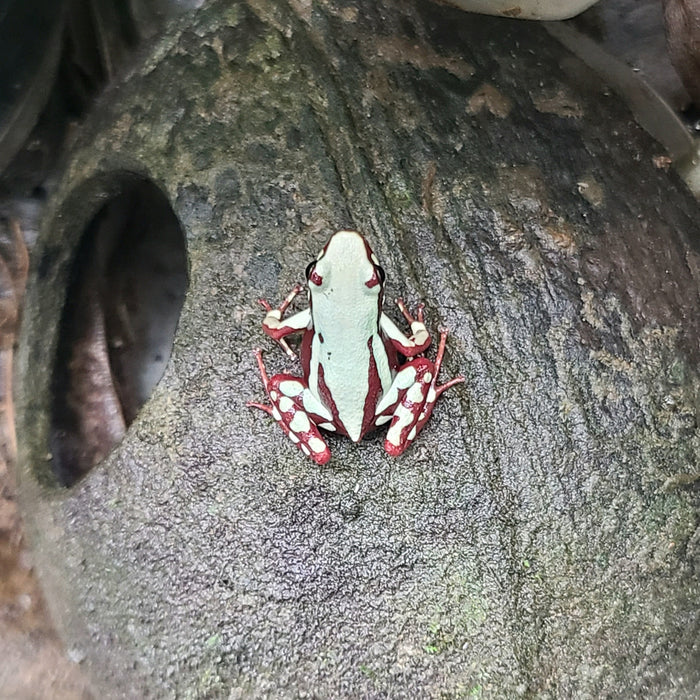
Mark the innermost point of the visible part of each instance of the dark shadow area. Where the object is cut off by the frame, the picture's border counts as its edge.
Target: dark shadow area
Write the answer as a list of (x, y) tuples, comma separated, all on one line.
[(125, 293)]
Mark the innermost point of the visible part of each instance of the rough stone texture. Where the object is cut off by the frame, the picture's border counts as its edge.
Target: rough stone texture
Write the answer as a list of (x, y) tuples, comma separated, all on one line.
[(541, 538)]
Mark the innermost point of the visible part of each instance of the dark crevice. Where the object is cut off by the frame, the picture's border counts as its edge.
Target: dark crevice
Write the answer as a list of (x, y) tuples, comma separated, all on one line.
[(125, 292)]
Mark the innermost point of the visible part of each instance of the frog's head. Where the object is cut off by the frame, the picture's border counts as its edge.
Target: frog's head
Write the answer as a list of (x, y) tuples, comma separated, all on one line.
[(346, 266)]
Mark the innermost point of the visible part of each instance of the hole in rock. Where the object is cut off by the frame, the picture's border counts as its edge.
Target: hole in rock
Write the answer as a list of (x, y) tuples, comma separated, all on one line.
[(125, 292)]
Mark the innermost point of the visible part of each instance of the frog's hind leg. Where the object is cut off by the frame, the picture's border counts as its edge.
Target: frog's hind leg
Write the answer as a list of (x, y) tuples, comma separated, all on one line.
[(411, 399), (289, 396)]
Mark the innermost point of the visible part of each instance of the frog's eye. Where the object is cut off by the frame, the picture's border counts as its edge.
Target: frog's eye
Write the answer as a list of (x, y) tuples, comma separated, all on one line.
[(312, 275), (377, 277)]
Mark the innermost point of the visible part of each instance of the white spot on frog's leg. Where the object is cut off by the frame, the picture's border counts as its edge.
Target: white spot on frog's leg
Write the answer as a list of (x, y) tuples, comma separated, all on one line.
[(291, 388), (427, 377), (412, 434), (383, 419), (305, 450), (300, 423), (274, 395), (327, 426), (374, 259), (402, 380), (276, 414), (422, 415), (415, 393), (316, 444), (405, 378), (432, 395), (293, 437), (404, 418), (405, 415), (286, 404), (393, 436), (420, 333)]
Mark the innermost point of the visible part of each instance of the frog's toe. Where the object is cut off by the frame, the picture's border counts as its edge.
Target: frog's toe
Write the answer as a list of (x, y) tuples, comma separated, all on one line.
[(392, 449), (314, 447)]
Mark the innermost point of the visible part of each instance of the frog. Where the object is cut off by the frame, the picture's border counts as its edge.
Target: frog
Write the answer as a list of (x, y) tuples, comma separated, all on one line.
[(359, 370)]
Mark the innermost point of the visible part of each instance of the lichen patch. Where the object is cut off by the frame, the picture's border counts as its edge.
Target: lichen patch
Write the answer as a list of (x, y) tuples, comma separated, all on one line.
[(562, 103), (591, 190), (488, 98), (558, 235), (399, 50)]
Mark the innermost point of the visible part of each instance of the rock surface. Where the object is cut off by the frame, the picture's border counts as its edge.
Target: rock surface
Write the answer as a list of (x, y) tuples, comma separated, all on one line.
[(541, 536)]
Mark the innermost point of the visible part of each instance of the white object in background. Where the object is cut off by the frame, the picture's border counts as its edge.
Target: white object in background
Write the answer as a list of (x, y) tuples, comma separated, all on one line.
[(526, 9)]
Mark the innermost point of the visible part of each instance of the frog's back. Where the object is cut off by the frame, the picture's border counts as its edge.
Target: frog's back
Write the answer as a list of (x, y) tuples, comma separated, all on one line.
[(348, 374), (349, 367)]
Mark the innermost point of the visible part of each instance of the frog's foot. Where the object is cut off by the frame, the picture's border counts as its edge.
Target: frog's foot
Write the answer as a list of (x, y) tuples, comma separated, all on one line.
[(411, 399), (420, 338), (289, 396), (407, 314)]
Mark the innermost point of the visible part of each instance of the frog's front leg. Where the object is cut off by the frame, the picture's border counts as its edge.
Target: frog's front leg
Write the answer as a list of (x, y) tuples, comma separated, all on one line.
[(277, 329), (298, 412), (408, 346), (411, 398)]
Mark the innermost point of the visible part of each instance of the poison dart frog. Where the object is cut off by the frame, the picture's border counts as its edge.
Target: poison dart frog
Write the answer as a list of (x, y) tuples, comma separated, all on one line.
[(353, 380)]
